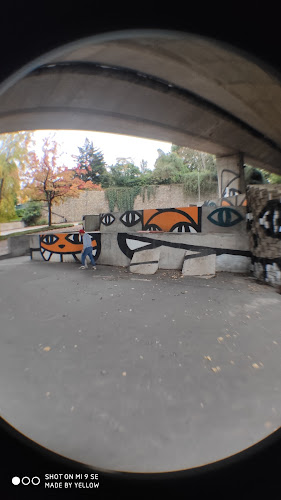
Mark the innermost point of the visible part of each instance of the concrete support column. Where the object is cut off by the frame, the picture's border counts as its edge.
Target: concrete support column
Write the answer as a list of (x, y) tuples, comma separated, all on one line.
[(230, 175)]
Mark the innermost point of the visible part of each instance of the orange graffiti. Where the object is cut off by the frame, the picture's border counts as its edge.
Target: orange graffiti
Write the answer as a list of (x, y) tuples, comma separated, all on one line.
[(173, 219), (63, 243)]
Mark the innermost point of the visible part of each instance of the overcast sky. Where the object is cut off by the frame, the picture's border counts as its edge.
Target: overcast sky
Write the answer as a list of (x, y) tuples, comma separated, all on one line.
[(112, 145)]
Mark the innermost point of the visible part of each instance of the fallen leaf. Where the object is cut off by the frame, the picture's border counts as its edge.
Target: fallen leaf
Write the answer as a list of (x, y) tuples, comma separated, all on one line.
[(255, 365), (228, 336), (124, 374), (232, 362), (268, 425), (216, 369), (220, 339), (47, 348), (208, 357)]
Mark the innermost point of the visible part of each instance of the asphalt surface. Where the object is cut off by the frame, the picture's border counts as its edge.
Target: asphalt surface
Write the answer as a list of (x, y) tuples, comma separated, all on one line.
[(138, 373)]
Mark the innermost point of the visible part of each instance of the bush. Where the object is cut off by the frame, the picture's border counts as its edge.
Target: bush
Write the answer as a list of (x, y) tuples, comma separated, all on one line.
[(32, 213)]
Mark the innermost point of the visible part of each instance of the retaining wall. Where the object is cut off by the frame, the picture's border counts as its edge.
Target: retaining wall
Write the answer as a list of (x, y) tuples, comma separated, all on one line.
[(264, 226)]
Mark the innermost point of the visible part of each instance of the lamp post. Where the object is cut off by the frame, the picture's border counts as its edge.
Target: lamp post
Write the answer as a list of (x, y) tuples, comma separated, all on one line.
[(198, 186)]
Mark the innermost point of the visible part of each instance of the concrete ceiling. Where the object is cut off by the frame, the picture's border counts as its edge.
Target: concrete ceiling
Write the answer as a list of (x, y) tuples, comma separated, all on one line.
[(170, 86)]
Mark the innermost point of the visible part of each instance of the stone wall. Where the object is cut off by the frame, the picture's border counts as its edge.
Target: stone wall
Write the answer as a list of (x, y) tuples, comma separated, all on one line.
[(94, 202), (264, 225)]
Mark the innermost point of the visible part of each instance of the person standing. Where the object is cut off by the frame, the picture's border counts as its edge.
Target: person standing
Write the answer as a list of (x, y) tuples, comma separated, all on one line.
[(87, 249)]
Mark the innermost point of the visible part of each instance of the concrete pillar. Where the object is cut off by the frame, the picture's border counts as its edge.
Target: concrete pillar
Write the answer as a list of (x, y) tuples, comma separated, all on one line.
[(230, 175)]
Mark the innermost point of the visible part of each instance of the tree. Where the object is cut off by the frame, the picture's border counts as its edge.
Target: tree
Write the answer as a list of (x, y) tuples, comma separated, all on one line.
[(168, 168), (13, 160), (91, 164), (125, 173), (45, 181), (195, 160)]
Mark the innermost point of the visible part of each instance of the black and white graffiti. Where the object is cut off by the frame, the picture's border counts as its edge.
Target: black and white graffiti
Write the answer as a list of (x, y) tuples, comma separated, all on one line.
[(270, 219)]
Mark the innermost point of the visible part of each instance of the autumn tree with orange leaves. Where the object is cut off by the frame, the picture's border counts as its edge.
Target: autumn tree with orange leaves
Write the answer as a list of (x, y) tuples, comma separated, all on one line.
[(45, 181)]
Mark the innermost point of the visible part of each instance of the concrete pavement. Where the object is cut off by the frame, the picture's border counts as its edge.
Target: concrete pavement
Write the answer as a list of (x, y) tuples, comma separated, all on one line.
[(134, 373)]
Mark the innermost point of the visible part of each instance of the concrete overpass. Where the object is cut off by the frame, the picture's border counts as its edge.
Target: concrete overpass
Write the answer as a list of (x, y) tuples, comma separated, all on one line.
[(174, 86)]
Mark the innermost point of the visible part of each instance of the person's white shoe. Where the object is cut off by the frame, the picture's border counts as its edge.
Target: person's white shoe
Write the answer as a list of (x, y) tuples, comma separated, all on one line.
[(82, 267), (94, 267)]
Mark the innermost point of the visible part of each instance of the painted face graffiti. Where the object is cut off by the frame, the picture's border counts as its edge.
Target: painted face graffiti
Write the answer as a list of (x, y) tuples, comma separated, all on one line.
[(62, 243), (270, 219), (178, 220)]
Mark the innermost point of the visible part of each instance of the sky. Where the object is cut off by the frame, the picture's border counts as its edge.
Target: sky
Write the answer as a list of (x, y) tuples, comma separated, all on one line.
[(113, 146)]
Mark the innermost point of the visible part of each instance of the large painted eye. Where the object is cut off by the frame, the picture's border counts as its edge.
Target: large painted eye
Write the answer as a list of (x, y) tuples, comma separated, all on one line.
[(74, 238), (183, 227), (130, 218), (270, 219), (225, 217), (153, 227), (49, 239), (107, 219)]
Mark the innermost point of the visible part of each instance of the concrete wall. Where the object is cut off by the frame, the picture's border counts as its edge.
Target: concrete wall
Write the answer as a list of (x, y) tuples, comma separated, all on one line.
[(18, 245), (205, 220), (193, 239), (10, 226), (94, 202), (264, 225), (231, 251)]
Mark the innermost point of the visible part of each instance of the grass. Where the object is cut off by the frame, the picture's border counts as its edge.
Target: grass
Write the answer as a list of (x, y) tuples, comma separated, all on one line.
[(32, 231)]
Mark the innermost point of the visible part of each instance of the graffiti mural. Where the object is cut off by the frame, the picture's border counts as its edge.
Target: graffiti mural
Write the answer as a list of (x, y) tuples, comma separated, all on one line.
[(270, 219), (225, 217), (177, 220), (107, 219), (67, 244), (131, 217), (174, 220), (129, 243), (233, 201), (225, 183), (268, 270)]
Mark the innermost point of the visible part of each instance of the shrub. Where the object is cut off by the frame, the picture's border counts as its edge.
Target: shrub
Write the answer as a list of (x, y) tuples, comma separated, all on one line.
[(32, 213)]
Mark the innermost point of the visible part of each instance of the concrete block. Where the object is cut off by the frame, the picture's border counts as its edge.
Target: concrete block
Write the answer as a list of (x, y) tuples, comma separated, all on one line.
[(91, 223), (198, 266), (233, 263), (19, 245), (145, 261)]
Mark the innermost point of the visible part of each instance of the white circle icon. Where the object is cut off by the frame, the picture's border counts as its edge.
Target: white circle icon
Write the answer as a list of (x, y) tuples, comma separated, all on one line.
[(24, 482), (16, 480), (35, 482)]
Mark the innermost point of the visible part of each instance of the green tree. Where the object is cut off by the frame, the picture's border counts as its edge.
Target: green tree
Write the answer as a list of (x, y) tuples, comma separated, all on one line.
[(91, 165), (125, 173), (31, 213), (13, 161), (168, 168)]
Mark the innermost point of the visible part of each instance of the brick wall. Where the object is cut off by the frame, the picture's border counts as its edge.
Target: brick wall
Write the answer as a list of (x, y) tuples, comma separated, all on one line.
[(264, 225)]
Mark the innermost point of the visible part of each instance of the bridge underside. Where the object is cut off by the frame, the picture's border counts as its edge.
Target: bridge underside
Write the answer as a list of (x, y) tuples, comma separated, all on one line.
[(172, 86)]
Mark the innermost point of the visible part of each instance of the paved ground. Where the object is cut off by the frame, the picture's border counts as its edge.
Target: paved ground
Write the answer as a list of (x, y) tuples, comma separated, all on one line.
[(138, 373)]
